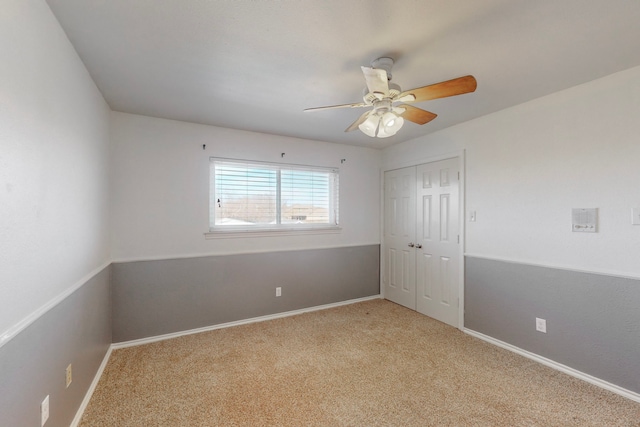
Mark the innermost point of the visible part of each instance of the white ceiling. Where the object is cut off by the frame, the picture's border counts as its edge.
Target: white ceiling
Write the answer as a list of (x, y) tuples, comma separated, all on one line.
[(255, 65)]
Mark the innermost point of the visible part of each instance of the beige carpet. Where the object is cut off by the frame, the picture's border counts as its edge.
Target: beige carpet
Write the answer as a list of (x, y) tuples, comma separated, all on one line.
[(367, 364)]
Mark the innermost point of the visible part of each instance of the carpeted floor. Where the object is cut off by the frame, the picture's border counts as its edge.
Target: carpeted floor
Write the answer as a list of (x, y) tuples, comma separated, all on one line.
[(368, 364)]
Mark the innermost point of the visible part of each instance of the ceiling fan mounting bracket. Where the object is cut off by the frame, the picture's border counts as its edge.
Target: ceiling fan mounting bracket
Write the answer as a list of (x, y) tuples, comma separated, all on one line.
[(383, 63)]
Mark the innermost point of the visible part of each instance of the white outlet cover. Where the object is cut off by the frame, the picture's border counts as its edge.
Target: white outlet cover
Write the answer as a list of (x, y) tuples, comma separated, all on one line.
[(44, 410), (541, 325)]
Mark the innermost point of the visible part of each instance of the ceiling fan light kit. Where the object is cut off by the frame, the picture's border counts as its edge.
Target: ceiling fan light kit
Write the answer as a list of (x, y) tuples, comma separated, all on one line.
[(382, 124), (385, 119)]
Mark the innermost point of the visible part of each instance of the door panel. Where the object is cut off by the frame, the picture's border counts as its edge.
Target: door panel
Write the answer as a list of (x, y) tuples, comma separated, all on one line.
[(427, 279), (438, 259), (399, 275), (426, 217)]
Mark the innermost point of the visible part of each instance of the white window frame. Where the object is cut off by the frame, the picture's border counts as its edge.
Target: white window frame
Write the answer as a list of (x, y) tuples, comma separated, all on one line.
[(258, 230)]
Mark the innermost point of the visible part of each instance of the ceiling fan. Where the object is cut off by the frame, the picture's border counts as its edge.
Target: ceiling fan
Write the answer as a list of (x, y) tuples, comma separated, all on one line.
[(385, 118)]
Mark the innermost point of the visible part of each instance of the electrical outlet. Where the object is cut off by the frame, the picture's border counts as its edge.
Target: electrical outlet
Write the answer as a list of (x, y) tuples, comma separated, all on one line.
[(278, 291), (541, 325), (69, 375), (44, 410)]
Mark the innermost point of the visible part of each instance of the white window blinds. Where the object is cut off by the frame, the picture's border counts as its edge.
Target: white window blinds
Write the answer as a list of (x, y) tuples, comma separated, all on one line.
[(246, 195)]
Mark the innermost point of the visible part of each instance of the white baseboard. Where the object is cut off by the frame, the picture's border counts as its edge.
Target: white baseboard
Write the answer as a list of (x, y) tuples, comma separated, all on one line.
[(142, 341), (558, 366), (92, 388)]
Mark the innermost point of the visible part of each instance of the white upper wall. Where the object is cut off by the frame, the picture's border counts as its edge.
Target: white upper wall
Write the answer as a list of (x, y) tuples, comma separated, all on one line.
[(528, 166), (54, 152), (161, 188)]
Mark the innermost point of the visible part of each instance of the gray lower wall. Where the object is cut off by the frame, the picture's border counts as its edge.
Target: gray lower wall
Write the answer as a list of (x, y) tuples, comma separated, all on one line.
[(593, 320), (152, 298), (33, 363)]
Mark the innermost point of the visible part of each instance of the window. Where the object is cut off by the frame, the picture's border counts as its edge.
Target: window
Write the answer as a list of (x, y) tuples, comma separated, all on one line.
[(256, 196)]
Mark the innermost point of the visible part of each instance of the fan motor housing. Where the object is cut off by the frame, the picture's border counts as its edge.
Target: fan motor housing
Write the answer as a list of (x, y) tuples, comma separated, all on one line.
[(382, 106)]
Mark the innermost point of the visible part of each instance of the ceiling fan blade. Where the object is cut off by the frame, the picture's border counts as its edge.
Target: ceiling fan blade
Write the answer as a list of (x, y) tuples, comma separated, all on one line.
[(332, 107), (376, 79), (358, 122), (416, 115), (453, 87)]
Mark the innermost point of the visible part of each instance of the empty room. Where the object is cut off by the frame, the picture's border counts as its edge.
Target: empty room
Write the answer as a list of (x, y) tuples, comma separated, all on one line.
[(319, 213)]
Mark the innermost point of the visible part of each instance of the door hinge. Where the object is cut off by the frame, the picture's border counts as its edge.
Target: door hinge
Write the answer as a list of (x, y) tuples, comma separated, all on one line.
[(458, 239), (458, 176)]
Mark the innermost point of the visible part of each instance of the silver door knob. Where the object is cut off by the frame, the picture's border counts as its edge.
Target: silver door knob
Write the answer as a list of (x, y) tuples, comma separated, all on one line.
[(411, 245), (419, 246)]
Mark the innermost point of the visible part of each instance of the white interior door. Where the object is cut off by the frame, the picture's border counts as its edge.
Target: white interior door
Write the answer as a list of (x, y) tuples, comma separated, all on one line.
[(399, 275), (437, 243)]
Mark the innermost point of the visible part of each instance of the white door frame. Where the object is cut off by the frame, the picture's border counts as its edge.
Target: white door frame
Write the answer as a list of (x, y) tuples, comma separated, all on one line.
[(460, 155)]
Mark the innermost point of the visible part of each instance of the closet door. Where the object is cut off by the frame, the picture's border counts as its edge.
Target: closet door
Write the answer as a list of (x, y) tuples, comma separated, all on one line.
[(437, 262), (399, 275)]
